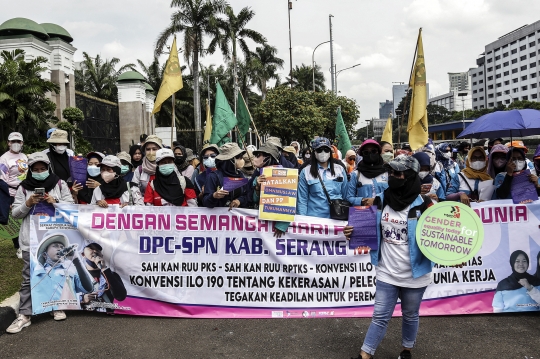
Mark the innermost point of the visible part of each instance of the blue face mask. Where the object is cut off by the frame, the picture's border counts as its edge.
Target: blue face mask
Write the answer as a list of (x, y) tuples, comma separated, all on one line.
[(124, 169), (166, 169), (93, 171), (40, 176)]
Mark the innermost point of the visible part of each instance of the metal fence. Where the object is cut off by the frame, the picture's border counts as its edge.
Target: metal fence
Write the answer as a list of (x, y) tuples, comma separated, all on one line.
[(101, 125)]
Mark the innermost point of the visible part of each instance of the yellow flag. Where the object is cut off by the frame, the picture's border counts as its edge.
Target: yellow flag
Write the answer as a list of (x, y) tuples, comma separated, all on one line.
[(172, 78), (387, 133), (208, 127), (418, 121)]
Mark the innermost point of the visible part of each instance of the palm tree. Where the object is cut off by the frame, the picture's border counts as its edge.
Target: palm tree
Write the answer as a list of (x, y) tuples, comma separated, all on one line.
[(24, 106), (303, 78), (195, 18), (233, 33), (97, 76), (265, 64)]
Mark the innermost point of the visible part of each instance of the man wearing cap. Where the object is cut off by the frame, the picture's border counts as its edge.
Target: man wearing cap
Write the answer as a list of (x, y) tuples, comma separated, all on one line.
[(58, 155), (113, 189), (14, 165), (108, 285)]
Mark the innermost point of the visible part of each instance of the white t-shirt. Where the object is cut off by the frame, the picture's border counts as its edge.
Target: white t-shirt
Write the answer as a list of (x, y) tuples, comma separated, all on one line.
[(395, 264)]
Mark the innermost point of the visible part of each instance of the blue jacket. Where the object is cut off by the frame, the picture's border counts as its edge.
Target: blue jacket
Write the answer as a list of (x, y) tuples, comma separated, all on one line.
[(445, 177), (419, 263), (356, 191), (311, 199), (456, 184)]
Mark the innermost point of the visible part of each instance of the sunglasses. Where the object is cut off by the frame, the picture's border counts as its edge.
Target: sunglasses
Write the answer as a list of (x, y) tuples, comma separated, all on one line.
[(239, 156), (396, 173), (213, 155), (322, 149), (367, 153), (352, 158)]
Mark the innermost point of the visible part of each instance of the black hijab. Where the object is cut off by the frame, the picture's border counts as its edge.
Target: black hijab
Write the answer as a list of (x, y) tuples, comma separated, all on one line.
[(291, 157), (537, 274), (228, 168), (169, 188), (132, 151), (371, 166), (512, 281), (30, 183), (86, 193), (113, 189), (180, 161), (59, 163), (399, 198)]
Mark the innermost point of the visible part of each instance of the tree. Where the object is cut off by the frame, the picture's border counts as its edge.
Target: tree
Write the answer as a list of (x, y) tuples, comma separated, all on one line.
[(303, 78), (196, 19), (232, 32), (24, 103), (299, 115), (265, 65), (438, 114), (98, 76), (74, 115)]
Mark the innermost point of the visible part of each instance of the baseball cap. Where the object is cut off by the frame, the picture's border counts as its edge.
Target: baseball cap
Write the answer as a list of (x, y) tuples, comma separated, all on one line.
[(38, 157), (402, 163), (164, 153), (111, 161), (321, 142), (14, 136)]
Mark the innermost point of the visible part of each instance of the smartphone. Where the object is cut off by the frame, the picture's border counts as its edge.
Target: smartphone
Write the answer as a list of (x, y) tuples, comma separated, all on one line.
[(40, 191)]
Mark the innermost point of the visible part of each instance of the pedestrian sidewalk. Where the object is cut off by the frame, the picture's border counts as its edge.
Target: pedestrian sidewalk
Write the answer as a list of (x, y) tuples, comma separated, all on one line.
[(9, 309)]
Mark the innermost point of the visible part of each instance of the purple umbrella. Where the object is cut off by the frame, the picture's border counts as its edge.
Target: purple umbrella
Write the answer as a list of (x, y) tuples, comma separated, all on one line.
[(513, 123)]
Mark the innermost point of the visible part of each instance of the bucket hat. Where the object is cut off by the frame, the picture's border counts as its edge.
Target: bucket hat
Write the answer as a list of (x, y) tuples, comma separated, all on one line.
[(228, 151), (58, 136)]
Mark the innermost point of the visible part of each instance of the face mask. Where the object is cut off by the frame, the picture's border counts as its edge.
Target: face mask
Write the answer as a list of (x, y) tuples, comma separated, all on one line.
[(423, 174), (395, 183), (519, 165), (179, 160), (40, 176), (93, 171), (478, 165), (108, 176), (387, 157), (240, 163), (209, 162), (166, 169), (322, 157), (258, 161), (499, 163), (60, 149), (124, 169), (307, 156), (151, 156), (447, 155), (16, 147)]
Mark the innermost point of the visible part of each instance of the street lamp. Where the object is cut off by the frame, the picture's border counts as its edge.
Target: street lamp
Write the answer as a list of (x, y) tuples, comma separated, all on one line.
[(462, 95), (398, 112), (289, 7), (313, 62), (367, 128), (340, 71)]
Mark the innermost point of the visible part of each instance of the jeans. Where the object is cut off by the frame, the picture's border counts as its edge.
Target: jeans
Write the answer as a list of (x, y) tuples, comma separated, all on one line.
[(386, 296)]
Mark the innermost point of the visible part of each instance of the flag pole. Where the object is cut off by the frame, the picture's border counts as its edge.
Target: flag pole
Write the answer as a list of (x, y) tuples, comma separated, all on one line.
[(243, 144), (173, 120), (407, 96), (252, 122)]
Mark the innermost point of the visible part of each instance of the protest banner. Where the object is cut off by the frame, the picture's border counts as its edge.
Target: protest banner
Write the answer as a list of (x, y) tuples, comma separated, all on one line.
[(215, 263), (278, 194)]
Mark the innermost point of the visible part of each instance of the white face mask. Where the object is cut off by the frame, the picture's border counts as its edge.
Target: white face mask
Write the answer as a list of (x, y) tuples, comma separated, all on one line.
[(307, 156), (447, 155), (16, 147), (60, 149), (423, 174), (519, 165), (478, 165), (322, 157), (499, 163)]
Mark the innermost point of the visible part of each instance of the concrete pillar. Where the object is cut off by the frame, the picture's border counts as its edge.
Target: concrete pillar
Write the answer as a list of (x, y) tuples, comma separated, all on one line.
[(131, 101), (63, 74), (149, 117)]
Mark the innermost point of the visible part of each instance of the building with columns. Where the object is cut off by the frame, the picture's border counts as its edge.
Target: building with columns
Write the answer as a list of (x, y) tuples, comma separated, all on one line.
[(50, 41)]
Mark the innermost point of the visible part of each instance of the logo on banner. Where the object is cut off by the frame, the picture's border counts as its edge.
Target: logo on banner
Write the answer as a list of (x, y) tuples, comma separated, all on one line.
[(63, 219)]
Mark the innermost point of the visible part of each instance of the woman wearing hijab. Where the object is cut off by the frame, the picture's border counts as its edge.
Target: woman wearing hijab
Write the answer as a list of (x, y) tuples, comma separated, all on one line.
[(126, 171), (429, 184), (466, 185), (515, 164), (169, 188), (350, 161), (497, 161), (520, 290), (312, 200), (296, 146), (461, 154), (208, 164), (28, 202), (228, 163), (290, 154), (387, 151), (93, 179), (146, 172), (306, 155), (448, 168), (114, 190), (136, 155), (183, 166), (58, 156), (402, 269), (370, 177)]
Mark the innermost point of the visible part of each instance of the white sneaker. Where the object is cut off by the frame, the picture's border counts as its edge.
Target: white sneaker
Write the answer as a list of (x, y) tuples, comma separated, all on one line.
[(18, 324), (58, 314), (19, 253)]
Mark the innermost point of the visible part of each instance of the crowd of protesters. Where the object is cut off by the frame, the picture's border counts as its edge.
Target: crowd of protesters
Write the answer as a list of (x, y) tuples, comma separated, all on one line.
[(399, 182)]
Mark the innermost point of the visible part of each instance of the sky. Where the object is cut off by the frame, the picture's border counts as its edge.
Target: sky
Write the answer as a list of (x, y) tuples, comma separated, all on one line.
[(378, 34)]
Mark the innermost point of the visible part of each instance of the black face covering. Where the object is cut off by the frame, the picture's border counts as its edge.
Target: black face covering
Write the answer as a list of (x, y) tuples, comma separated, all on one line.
[(402, 192), (396, 183), (512, 281), (180, 161), (371, 166)]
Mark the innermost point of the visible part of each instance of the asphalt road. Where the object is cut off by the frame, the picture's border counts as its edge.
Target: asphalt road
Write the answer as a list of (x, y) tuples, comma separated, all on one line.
[(90, 335)]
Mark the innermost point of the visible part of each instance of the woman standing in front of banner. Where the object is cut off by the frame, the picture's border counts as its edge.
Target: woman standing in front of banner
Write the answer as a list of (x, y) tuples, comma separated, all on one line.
[(93, 179), (519, 292), (146, 172), (169, 188), (402, 270), (55, 191), (312, 199)]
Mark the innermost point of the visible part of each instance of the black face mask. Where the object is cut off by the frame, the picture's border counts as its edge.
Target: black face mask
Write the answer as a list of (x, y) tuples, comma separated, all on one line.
[(179, 160), (371, 159), (395, 183)]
